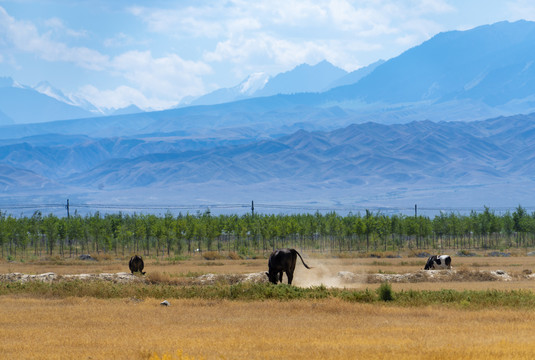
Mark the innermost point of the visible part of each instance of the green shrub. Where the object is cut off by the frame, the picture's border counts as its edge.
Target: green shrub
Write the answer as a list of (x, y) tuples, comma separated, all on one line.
[(385, 292)]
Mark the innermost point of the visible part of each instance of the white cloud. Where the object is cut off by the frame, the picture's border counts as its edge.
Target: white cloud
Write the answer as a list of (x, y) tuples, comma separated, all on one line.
[(281, 34), (522, 9), (168, 77), (24, 36), (288, 12), (207, 21), (58, 26), (118, 98), (345, 16), (156, 83), (121, 40)]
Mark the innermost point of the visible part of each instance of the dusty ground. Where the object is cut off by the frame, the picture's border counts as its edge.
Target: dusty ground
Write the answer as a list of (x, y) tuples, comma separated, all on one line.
[(476, 273)]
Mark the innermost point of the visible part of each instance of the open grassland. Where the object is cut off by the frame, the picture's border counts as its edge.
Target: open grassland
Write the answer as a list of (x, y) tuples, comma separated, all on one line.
[(89, 328), (105, 320)]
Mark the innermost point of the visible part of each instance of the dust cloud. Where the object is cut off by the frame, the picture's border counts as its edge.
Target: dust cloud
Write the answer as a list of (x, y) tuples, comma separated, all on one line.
[(323, 274)]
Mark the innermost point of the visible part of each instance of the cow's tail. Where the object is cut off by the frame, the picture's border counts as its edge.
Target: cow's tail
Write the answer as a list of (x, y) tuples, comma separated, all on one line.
[(295, 252)]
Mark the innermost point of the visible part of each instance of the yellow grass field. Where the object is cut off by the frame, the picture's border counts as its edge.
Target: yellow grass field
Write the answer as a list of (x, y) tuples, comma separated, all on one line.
[(86, 328), (89, 328)]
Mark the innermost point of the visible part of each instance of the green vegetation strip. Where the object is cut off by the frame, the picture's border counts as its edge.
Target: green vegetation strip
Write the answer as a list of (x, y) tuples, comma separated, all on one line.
[(469, 299), (109, 236)]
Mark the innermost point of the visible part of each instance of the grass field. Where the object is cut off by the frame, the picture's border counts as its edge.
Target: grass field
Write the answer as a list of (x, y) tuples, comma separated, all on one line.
[(133, 327), (88, 328)]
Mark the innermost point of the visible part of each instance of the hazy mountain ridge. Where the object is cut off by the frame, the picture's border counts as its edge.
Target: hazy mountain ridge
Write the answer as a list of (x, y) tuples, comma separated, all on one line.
[(484, 63), (302, 79), (446, 152), (56, 156), (420, 154)]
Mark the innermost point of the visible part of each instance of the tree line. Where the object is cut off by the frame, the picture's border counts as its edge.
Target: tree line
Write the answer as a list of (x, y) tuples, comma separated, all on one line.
[(148, 234)]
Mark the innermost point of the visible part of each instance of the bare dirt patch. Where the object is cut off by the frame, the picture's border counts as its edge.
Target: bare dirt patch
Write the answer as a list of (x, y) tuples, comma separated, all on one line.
[(121, 277), (320, 277), (435, 276)]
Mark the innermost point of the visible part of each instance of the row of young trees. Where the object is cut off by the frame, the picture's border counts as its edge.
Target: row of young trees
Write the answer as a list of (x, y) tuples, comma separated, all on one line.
[(252, 234)]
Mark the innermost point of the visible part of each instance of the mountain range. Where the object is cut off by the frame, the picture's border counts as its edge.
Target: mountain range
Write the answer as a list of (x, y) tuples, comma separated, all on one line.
[(441, 124), (363, 163)]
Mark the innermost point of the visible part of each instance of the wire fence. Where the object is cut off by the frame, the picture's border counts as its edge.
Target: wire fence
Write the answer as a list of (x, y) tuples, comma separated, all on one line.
[(66, 208)]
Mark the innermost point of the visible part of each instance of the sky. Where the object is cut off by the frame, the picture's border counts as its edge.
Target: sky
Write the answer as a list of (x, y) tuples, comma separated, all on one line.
[(156, 54)]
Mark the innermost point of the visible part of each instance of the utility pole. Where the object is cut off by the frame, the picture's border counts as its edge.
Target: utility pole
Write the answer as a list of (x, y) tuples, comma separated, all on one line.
[(252, 208), (67, 231), (415, 210)]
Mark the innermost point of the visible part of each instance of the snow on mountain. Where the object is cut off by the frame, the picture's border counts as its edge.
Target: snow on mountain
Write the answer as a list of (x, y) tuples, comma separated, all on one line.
[(243, 90), (253, 83), (302, 79), (23, 104), (44, 87)]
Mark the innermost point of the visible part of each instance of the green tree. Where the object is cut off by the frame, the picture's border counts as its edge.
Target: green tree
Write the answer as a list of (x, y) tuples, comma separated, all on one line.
[(51, 232)]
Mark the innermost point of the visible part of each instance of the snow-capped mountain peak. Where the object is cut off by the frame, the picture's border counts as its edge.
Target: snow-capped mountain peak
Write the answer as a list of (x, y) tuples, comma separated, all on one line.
[(44, 87), (253, 83)]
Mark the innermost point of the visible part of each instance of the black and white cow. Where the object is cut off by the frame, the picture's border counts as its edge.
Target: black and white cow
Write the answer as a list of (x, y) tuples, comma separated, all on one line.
[(438, 262)]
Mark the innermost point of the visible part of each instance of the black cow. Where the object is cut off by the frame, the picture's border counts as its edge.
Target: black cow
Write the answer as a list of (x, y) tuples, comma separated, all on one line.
[(283, 260), (438, 262), (136, 264)]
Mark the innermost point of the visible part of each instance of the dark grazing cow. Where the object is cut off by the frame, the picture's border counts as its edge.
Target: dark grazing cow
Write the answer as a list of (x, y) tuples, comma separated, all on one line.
[(136, 264), (438, 262), (283, 260)]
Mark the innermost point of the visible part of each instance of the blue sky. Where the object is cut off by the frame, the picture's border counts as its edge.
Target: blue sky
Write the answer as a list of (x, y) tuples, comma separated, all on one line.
[(114, 53)]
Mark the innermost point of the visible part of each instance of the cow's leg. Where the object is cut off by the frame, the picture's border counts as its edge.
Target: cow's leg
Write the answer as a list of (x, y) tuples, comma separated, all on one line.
[(290, 275), (290, 271), (280, 276)]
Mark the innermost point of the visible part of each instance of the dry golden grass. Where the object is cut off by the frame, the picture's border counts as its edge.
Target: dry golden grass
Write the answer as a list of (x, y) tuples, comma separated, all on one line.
[(32, 328), (84, 328)]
